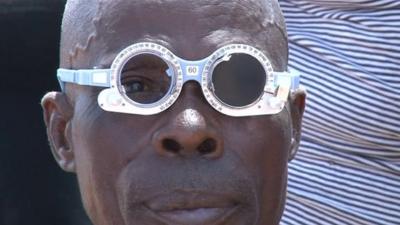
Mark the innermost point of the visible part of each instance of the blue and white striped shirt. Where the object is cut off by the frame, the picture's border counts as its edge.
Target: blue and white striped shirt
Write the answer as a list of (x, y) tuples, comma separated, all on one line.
[(347, 170)]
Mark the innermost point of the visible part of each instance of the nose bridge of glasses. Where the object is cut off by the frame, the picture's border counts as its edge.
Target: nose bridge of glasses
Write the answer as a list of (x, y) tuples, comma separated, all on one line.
[(193, 70)]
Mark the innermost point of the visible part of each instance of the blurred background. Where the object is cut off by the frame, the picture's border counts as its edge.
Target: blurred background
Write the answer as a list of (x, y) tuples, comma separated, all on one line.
[(33, 189)]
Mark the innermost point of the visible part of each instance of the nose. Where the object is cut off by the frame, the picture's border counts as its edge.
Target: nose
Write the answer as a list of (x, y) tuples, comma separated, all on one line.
[(189, 135)]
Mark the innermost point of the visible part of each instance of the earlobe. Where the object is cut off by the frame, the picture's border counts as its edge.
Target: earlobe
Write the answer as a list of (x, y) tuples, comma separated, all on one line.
[(297, 106), (57, 113)]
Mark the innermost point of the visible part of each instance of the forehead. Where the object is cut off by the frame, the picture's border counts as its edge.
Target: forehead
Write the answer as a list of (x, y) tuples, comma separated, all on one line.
[(192, 29)]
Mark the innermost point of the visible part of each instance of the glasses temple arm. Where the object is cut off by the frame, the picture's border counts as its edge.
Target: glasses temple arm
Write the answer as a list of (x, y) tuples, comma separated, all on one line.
[(291, 79), (95, 77)]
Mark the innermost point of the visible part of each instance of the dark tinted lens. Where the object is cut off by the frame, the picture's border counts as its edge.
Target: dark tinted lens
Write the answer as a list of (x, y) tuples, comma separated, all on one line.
[(239, 81), (145, 78)]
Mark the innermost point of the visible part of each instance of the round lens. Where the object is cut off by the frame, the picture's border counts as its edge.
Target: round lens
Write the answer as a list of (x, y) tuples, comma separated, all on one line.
[(239, 80), (146, 78)]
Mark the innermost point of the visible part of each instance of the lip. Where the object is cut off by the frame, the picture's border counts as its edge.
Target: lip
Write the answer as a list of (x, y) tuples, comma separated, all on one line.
[(194, 208)]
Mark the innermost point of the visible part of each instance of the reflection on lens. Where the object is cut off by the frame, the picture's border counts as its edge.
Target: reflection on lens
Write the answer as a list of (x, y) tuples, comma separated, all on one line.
[(145, 79), (239, 81)]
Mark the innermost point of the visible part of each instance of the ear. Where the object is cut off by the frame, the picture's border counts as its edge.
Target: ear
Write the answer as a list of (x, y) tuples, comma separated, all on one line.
[(57, 113), (297, 103)]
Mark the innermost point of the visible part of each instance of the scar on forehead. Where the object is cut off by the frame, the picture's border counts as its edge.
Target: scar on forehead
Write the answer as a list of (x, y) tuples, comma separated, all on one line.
[(73, 53), (83, 47)]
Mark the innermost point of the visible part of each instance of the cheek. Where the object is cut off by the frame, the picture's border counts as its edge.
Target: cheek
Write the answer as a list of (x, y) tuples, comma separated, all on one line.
[(103, 143), (105, 140), (265, 143)]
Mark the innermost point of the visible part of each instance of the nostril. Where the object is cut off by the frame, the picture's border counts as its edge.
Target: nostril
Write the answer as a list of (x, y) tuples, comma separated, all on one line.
[(171, 145), (207, 146)]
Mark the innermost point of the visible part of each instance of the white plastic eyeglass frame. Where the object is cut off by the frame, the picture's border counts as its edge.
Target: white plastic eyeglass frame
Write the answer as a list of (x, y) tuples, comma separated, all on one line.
[(113, 98)]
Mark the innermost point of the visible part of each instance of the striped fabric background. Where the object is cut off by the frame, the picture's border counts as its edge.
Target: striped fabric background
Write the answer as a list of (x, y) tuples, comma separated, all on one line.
[(347, 170)]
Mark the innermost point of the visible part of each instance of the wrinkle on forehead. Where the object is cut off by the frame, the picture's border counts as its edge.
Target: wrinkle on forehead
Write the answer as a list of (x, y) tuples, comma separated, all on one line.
[(257, 14), (84, 18)]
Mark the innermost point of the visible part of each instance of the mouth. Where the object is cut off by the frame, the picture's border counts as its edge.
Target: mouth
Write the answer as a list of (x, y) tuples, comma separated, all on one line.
[(192, 208)]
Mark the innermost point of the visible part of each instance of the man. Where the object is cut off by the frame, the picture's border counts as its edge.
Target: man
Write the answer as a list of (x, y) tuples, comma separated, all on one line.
[(205, 156)]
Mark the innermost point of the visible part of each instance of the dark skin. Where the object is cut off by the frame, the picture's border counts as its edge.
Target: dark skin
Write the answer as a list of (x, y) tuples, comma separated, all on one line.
[(127, 173)]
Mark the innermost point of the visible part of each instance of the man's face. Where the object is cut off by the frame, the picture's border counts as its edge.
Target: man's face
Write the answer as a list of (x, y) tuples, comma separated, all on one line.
[(189, 164)]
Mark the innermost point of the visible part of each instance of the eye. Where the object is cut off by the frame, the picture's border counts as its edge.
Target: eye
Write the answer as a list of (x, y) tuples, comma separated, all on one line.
[(135, 86), (146, 78), (142, 89)]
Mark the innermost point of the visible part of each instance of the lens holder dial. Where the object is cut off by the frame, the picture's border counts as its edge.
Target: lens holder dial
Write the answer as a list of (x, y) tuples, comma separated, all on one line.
[(266, 104), (115, 99)]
